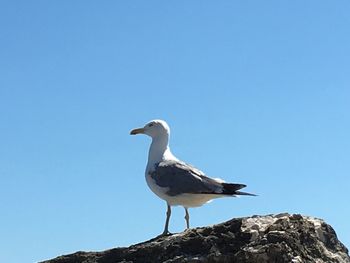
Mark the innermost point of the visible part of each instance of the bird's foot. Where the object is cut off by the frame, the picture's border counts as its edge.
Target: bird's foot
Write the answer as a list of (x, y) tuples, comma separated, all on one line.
[(164, 234)]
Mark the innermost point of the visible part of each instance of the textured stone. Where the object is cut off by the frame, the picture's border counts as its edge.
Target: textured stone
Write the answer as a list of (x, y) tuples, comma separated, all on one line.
[(262, 239)]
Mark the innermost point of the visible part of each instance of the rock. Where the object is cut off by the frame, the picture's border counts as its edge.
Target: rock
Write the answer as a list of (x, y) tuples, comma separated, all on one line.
[(262, 239)]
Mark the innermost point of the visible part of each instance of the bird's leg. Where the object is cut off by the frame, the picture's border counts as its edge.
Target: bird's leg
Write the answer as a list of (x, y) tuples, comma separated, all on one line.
[(187, 218), (168, 214)]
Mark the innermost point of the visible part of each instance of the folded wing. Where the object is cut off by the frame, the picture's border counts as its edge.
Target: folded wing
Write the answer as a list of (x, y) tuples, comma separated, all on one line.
[(182, 178)]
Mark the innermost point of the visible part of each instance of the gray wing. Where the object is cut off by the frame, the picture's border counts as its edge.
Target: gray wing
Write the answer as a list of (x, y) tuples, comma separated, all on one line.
[(182, 178)]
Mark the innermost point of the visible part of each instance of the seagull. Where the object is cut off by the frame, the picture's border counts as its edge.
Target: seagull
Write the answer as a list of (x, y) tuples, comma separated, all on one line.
[(175, 181)]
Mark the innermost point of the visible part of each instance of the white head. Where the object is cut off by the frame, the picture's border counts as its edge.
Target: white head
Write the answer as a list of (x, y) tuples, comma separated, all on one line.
[(154, 129)]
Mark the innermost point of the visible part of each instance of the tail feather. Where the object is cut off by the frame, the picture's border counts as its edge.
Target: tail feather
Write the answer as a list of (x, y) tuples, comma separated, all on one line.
[(232, 189)]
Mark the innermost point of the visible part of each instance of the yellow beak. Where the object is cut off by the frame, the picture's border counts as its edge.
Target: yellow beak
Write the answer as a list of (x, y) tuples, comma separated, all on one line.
[(137, 131)]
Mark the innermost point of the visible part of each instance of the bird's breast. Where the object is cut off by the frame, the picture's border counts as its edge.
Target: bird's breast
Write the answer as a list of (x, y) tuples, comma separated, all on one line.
[(159, 191)]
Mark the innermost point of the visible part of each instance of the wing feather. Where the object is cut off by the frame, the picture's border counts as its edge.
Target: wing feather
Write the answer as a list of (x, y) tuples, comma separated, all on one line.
[(182, 178)]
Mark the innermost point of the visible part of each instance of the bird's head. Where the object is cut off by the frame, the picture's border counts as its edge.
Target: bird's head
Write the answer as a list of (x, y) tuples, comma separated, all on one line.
[(154, 129)]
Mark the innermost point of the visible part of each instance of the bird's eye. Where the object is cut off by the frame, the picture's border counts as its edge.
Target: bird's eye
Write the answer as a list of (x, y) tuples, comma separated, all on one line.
[(150, 125)]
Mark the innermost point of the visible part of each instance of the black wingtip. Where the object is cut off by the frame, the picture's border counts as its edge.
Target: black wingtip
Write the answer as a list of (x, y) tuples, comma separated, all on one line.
[(244, 193), (231, 189)]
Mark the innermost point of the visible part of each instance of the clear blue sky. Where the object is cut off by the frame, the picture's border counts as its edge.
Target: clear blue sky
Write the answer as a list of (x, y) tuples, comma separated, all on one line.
[(255, 92)]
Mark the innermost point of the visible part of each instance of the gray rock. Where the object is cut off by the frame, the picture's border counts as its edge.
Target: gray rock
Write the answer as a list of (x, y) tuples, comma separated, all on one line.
[(262, 239)]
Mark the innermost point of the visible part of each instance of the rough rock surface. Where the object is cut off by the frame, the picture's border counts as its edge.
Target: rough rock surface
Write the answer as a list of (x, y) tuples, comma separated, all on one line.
[(271, 238)]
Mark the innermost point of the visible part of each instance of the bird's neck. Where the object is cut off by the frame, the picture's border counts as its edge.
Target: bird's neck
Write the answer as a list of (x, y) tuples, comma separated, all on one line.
[(159, 150)]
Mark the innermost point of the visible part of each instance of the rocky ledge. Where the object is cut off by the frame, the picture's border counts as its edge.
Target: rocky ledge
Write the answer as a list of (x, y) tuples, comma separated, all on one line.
[(262, 239)]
